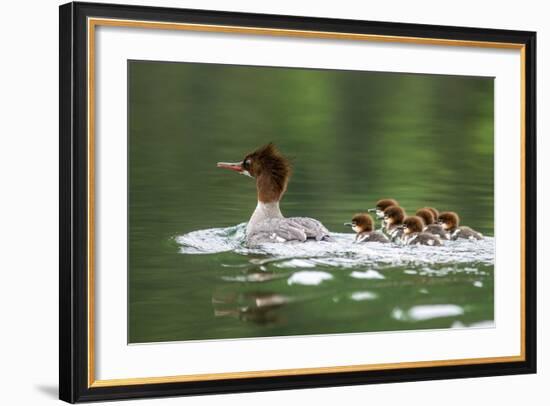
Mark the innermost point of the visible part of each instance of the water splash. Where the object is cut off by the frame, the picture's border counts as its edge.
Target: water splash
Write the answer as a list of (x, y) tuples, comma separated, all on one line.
[(340, 252)]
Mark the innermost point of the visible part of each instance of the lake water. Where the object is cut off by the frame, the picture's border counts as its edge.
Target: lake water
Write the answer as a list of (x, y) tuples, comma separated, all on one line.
[(354, 137)]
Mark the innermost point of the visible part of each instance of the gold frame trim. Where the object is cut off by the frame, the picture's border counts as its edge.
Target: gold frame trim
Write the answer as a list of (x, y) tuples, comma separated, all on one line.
[(94, 22)]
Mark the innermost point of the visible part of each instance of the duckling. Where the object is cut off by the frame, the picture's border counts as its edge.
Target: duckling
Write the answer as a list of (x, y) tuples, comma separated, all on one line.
[(435, 213), (450, 221), (393, 220), (363, 225), (382, 205), (430, 225), (413, 234)]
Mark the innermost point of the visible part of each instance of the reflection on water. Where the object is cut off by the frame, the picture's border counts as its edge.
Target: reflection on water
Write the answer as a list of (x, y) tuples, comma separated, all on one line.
[(247, 294), (354, 137), (251, 306)]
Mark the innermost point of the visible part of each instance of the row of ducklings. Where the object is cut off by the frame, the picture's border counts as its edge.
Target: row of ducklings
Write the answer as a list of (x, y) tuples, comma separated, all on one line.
[(426, 227)]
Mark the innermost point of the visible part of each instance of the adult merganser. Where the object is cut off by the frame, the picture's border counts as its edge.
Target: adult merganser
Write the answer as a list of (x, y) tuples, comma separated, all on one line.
[(450, 222), (393, 220), (430, 225), (382, 205), (267, 224), (413, 234), (362, 224)]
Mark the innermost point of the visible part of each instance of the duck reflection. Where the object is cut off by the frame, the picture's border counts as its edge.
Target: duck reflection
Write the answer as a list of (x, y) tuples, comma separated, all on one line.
[(261, 307)]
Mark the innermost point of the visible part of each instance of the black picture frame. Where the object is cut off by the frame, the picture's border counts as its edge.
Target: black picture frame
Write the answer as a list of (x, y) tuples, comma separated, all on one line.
[(74, 385)]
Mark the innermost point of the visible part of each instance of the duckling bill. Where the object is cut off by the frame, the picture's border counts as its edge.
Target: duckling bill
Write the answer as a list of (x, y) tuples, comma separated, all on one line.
[(363, 225)]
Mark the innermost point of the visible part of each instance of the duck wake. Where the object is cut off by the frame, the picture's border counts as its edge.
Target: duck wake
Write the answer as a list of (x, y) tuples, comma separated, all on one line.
[(340, 252)]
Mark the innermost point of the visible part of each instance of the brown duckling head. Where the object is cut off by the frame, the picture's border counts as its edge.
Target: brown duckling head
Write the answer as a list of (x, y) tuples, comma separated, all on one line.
[(434, 211), (383, 204), (394, 215), (413, 224), (361, 222), (449, 220), (426, 215)]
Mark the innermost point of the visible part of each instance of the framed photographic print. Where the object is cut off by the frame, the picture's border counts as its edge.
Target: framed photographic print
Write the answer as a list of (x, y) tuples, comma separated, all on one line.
[(384, 229)]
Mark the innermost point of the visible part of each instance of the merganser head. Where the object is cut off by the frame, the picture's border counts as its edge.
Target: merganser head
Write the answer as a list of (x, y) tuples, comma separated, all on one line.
[(426, 215), (449, 220), (435, 212), (382, 205), (394, 215), (361, 222), (270, 169), (413, 224)]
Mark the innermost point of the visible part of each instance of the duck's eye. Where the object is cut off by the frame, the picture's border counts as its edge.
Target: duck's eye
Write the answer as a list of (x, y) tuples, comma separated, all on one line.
[(246, 163)]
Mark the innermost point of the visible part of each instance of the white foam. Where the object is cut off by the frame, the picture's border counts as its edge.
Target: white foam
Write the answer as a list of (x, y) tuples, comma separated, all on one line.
[(370, 274), (363, 295), (311, 278), (340, 252), (427, 312)]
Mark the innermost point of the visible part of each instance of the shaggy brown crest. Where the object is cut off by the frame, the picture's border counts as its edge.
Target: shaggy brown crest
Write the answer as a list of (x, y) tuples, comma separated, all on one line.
[(271, 170), (413, 224), (383, 204), (396, 213), (426, 215), (450, 218), (363, 221)]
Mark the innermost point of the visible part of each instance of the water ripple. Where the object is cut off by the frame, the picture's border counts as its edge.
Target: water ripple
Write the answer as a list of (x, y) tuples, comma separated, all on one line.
[(340, 252)]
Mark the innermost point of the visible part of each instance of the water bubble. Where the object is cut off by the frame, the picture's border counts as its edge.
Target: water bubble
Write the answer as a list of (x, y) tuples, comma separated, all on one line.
[(427, 312), (363, 295), (370, 274), (310, 278)]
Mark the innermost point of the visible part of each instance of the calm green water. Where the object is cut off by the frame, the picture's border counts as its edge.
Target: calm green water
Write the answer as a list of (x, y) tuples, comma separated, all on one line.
[(354, 137)]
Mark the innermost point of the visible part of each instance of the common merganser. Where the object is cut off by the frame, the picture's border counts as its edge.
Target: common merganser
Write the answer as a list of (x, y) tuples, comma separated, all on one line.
[(393, 220), (271, 170), (363, 225), (413, 234), (450, 221), (430, 225), (382, 205)]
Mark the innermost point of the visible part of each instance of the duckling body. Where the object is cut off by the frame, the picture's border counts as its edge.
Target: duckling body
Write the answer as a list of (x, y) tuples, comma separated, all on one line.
[(450, 221), (395, 234), (430, 226), (422, 238), (372, 236), (413, 233), (436, 229), (393, 223), (271, 170), (363, 225), (465, 232)]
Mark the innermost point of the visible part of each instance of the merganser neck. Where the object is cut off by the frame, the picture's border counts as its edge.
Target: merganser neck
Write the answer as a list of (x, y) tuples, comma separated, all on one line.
[(270, 187), (264, 211)]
